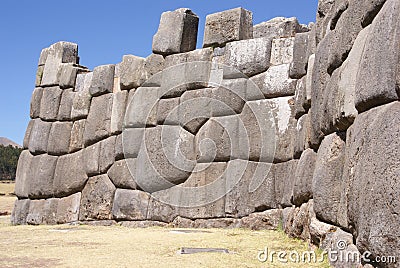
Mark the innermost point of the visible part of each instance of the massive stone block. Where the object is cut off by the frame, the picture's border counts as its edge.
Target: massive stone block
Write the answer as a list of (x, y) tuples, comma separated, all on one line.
[(68, 209), (27, 136), (20, 212), (250, 57), (39, 136), (327, 179), (377, 85), (97, 199), (64, 111), (275, 82), (284, 182), (130, 205), (122, 174), (372, 181), (76, 142), (67, 75), (22, 181), (131, 72), (300, 98), (302, 190), (278, 28), (35, 102), (98, 123), (141, 108), (99, 157), (176, 33), (42, 211), (131, 142), (50, 103), (59, 138), (102, 80), (227, 26), (302, 135), (41, 176), (118, 111), (70, 176), (82, 99), (166, 158), (282, 51), (298, 68)]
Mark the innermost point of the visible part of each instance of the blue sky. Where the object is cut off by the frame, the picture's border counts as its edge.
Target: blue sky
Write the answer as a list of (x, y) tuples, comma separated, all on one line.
[(104, 31)]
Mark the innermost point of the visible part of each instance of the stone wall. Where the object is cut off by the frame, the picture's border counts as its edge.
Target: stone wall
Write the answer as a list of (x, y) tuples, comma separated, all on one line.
[(297, 122)]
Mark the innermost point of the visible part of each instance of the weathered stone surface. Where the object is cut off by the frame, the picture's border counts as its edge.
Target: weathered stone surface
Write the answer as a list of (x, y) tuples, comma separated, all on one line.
[(76, 142), (327, 179), (50, 103), (186, 71), (302, 191), (302, 135), (35, 102), (20, 211), (39, 76), (250, 187), (278, 28), (130, 205), (131, 72), (98, 123), (168, 111), (243, 88), (131, 142), (59, 138), (298, 68), (39, 136), (227, 26), (141, 108), (41, 176), (64, 52), (28, 132), (275, 82), (100, 156), (300, 98), (159, 211), (70, 176), (309, 81), (42, 211), (102, 80), (122, 174), (153, 64), (119, 150), (97, 199), (118, 111), (267, 220), (67, 75), (166, 158), (82, 99), (143, 224), (372, 179), (43, 56), (250, 57), (296, 221), (68, 209), (177, 32), (64, 111), (284, 182), (377, 85), (282, 51), (22, 182)]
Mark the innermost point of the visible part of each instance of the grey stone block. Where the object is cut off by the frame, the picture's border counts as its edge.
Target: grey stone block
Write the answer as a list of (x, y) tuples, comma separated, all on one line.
[(243, 88), (39, 76), (371, 177), (70, 176), (327, 178), (166, 158), (82, 99), (67, 75), (131, 72), (76, 142), (377, 85), (102, 80), (43, 56), (122, 174), (98, 123), (50, 103), (59, 138), (64, 111), (282, 51), (28, 132), (20, 212), (227, 26), (176, 33), (141, 108), (275, 82), (100, 156), (168, 111), (309, 81), (132, 140), (97, 198), (22, 184), (298, 68), (130, 205), (278, 28), (284, 182), (302, 191), (250, 57), (39, 136), (302, 135), (118, 111), (41, 176), (64, 52), (35, 102), (42, 211), (68, 209), (300, 98), (153, 64)]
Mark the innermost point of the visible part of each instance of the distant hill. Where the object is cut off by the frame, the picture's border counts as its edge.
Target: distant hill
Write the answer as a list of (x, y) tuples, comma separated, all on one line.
[(6, 142)]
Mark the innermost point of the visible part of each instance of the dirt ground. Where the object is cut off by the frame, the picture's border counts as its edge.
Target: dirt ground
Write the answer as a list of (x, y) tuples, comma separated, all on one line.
[(116, 246), (7, 197)]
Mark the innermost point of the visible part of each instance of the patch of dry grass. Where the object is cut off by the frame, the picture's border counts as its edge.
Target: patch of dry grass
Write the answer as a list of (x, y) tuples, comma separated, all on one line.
[(90, 246), (7, 188)]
